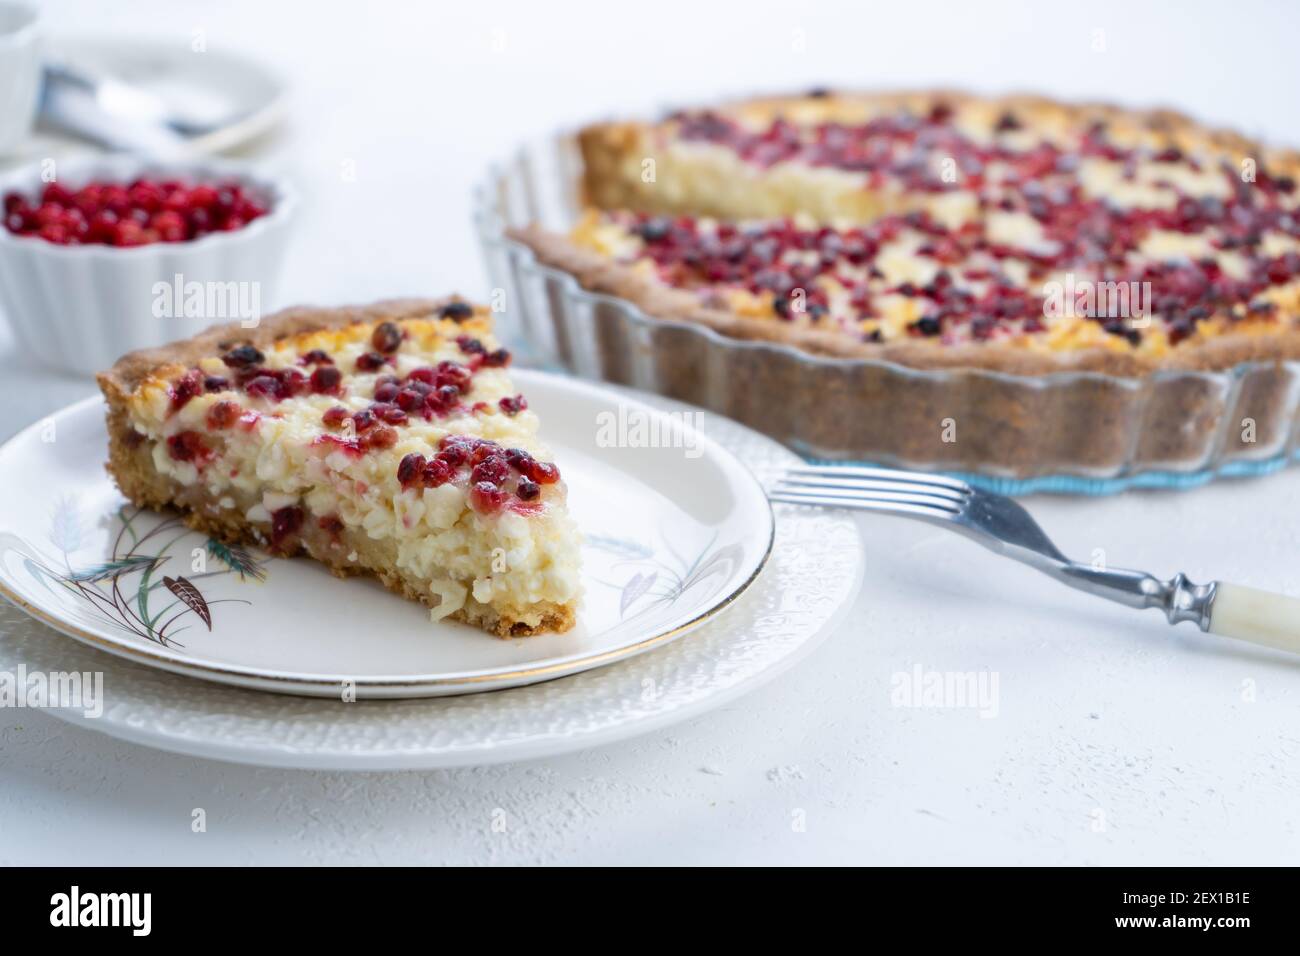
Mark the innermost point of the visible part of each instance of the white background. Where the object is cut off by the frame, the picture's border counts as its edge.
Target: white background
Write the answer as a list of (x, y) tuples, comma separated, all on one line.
[(1117, 739)]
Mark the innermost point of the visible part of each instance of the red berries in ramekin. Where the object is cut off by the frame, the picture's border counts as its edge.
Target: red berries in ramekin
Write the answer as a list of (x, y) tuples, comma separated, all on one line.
[(138, 213)]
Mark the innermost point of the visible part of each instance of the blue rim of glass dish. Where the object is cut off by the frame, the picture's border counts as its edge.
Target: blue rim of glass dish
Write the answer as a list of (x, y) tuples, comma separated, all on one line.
[(1099, 487)]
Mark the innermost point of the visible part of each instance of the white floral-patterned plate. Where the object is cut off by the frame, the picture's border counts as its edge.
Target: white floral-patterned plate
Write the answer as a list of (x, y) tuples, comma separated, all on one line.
[(676, 528), (806, 589)]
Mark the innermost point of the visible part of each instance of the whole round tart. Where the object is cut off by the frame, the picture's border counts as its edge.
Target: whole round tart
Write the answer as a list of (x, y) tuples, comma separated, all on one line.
[(1010, 285)]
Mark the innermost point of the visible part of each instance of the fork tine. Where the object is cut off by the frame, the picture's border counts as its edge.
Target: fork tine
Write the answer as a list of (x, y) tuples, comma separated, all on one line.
[(940, 492), (879, 474), (863, 504)]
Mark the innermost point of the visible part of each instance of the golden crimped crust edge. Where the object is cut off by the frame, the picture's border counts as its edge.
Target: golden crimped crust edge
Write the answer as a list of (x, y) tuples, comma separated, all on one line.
[(134, 367)]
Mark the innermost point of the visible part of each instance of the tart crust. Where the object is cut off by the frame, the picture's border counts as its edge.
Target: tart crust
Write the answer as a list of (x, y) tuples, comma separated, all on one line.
[(130, 461)]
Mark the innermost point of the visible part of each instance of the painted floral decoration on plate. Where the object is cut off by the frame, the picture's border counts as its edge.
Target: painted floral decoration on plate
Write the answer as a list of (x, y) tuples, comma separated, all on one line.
[(139, 586)]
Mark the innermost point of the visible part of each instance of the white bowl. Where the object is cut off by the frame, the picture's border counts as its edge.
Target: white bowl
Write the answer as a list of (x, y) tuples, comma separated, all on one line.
[(79, 308)]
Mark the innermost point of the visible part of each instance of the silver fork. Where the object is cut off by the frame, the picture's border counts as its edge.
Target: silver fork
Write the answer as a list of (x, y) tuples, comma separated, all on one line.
[(1004, 527)]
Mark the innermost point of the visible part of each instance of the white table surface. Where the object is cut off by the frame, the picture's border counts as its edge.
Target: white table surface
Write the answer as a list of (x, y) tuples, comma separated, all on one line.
[(1116, 738)]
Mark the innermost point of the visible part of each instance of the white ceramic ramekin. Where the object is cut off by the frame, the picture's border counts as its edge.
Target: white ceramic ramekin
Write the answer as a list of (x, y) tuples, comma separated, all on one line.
[(79, 308)]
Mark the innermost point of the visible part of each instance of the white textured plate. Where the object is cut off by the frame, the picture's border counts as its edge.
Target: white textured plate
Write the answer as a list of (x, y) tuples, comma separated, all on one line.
[(673, 533), (810, 581)]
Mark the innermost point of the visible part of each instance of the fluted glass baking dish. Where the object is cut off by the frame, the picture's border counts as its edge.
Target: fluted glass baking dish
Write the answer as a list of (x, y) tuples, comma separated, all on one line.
[(1071, 431)]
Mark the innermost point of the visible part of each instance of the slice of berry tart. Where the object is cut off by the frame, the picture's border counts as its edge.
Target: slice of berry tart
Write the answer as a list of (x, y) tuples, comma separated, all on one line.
[(385, 439)]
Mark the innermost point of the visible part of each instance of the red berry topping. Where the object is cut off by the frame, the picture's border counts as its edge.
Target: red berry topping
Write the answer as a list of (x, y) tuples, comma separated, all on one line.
[(186, 387), (381, 436), (906, 150), (331, 525), (490, 477), (370, 361), (481, 449), (335, 417), (223, 415), (263, 386), (216, 383), (410, 469), (243, 357), (487, 497), (408, 399), (316, 357), (285, 522), (454, 453), (187, 446), (453, 373), (457, 311), (387, 337), (513, 404), (438, 472), (388, 413), (275, 384), (498, 359), (541, 472), (325, 380), (492, 468), (1007, 123), (349, 445)]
